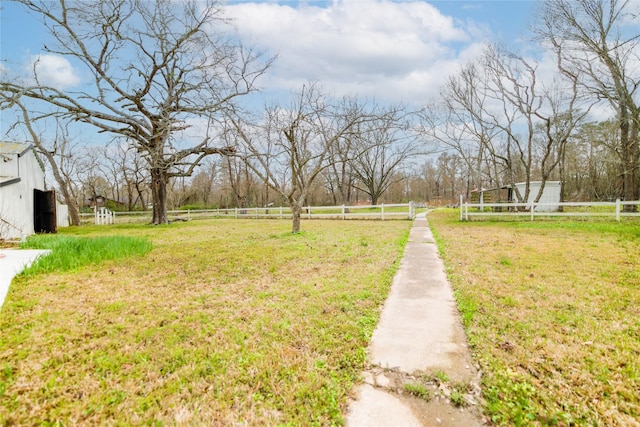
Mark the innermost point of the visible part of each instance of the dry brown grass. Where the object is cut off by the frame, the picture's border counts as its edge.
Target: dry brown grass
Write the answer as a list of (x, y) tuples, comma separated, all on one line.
[(224, 322), (552, 310)]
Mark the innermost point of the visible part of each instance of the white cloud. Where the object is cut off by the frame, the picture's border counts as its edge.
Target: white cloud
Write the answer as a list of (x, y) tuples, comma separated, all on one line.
[(396, 51), (55, 71)]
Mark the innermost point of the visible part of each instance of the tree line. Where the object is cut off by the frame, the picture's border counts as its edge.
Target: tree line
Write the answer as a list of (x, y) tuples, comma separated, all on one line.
[(169, 80)]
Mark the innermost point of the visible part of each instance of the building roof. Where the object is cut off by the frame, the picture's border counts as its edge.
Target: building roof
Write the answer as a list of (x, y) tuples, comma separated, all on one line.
[(14, 148), (7, 151)]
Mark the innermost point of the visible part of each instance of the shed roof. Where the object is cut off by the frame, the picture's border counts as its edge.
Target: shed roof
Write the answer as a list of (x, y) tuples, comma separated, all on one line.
[(546, 183), (14, 148), (484, 190)]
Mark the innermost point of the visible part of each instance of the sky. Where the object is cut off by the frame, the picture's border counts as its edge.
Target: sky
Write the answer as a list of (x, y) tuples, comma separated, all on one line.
[(395, 51), (391, 51)]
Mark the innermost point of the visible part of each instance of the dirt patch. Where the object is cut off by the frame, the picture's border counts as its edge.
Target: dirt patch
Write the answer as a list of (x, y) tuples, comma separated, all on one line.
[(433, 398)]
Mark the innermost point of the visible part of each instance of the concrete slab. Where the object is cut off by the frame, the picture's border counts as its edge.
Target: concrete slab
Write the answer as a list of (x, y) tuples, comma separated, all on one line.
[(376, 408), (12, 262), (419, 332), (420, 329)]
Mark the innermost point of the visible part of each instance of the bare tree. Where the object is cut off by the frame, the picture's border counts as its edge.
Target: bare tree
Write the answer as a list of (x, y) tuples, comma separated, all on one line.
[(383, 147), (241, 181), (597, 43), (594, 163), (511, 116), (291, 146), (106, 163), (459, 123), (204, 181), (339, 178), (159, 69), (129, 172), (531, 111), (179, 193)]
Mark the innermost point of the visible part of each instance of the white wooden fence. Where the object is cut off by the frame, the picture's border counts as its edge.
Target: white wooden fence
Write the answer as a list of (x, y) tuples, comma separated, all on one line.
[(378, 212), (103, 216), (532, 210)]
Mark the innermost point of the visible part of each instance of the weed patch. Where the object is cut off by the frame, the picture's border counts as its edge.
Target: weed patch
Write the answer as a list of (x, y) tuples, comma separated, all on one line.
[(69, 252), (419, 390)]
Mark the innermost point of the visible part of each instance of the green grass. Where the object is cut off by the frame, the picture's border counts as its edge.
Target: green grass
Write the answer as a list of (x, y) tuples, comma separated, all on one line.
[(223, 322), (552, 312), (457, 399), (71, 253), (440, 376), (419, 390)]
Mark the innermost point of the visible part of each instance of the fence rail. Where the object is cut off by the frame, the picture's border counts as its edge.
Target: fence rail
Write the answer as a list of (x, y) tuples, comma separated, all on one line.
[(379, 212), (562, 209)]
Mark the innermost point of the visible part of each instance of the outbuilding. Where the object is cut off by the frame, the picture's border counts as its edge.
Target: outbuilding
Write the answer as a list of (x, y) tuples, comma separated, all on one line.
[(549, 200), (26, 206)]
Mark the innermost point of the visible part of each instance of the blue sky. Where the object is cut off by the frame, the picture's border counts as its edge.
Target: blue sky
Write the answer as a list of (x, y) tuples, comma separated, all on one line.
[(395, 51)]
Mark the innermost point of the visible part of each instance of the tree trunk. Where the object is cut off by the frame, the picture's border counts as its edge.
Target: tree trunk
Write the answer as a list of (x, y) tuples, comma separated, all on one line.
[(64, 184), (345, 186), (159, 180), (477, 174), (563, 177), (629, 145), (295, 214), (69, 199), (130, 199), (140, 191), (72, 205)]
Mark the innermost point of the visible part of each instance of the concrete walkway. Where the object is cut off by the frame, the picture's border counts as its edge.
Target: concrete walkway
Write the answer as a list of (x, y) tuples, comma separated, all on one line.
[(419, 334), (12, 262)]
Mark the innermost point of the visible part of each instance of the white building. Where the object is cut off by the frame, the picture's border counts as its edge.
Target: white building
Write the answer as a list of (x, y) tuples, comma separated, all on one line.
[(26, 206), (550, 195)]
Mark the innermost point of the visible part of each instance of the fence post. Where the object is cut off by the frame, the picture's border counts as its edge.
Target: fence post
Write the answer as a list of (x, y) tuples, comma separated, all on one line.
[(460, 207), (618, 210), (411, 214), (343, 211), (236, 213), (188, 214), (382, 211), (531, 208), (280, 212), (309, 211)]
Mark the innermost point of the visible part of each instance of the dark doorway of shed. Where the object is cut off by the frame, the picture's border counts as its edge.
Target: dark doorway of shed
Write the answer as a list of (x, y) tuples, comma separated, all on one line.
[(44, 211)]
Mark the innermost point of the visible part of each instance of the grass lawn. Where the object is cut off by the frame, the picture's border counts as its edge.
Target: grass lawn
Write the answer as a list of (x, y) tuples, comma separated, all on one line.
[(552, 311), (223, 322)]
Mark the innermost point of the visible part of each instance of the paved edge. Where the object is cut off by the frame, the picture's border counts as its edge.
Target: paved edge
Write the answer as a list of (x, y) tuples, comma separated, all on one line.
[(419, 332), (12, 262)]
